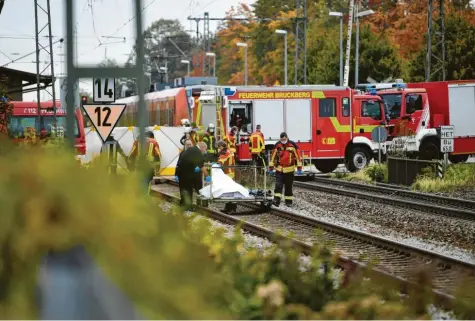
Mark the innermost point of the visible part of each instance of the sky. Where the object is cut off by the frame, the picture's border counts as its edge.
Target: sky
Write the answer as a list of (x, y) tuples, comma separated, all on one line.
[(97, 21)]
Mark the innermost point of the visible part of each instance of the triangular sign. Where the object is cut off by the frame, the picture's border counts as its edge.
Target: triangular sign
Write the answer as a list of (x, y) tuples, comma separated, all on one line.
[(277, 83), (104, 117)]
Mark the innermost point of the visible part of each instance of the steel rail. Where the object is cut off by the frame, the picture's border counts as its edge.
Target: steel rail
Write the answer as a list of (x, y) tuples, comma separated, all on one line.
[(464, 209), (410, 255)]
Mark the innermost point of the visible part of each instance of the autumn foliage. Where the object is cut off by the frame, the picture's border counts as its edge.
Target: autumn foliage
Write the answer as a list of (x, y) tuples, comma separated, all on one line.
[(392, 41)]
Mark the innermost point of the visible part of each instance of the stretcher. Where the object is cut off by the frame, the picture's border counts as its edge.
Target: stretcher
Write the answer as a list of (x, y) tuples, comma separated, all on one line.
[(222, 189)]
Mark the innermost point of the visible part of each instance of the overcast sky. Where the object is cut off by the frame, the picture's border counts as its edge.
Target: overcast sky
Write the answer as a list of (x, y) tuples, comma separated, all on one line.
[(105, 18)]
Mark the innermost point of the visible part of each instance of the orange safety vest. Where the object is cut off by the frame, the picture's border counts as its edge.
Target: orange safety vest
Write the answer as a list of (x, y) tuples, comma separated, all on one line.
[(289, 157), (231, 142), (256, 143), (226, 158), (153, 152)]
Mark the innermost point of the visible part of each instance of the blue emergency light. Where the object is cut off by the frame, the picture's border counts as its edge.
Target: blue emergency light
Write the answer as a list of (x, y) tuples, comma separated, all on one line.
[(400, 86), (373, 91)]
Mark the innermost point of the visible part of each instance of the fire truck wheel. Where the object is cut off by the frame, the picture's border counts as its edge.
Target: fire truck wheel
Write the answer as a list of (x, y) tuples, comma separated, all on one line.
[(360, 158), (325, 166), (429, 150), (455, 159)]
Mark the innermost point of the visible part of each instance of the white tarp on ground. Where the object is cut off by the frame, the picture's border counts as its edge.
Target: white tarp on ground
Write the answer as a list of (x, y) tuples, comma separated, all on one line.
[(168, 139), (223, 186)]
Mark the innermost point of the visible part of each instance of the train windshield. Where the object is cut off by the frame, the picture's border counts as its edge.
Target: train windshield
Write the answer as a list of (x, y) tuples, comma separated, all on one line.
[(19, 125)]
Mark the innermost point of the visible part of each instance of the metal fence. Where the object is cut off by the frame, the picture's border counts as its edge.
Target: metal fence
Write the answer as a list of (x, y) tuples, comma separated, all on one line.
[(403, 171), (71, 285)]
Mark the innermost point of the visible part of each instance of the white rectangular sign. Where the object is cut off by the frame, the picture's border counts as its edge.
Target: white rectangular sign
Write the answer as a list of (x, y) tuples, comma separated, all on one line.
[(104, 90), (446, 145), (447, 132)]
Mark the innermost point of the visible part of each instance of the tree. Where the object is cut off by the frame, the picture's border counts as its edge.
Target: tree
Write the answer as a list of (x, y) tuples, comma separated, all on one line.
[(160, 51), (460, 51), (119, 83), (6, 108), (230, 60)]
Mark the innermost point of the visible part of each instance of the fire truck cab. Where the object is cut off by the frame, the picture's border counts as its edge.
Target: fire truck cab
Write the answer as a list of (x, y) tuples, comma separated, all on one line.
[(330, 124), (417, 110)]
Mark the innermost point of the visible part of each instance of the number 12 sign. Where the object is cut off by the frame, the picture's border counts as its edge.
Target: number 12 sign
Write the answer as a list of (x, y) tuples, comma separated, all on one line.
[(104, 90), (104, 117)]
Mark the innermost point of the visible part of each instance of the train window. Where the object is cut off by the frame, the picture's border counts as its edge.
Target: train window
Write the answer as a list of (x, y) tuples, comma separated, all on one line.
[(345, 107), (327, 107), (17, 126)]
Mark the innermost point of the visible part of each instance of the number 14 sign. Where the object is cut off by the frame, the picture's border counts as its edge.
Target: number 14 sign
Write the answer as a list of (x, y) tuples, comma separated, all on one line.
[(104, 117), (103, 90)]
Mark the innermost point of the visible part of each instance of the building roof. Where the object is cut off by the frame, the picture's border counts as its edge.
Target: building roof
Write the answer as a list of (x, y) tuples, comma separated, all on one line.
[(26, 79)]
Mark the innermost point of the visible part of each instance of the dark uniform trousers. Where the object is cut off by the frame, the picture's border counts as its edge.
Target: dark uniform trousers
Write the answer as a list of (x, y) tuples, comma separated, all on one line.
[(283, 180), (186, 192)]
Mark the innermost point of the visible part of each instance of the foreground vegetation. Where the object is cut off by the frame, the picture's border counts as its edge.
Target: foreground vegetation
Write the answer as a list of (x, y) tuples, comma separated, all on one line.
[(171, 266)]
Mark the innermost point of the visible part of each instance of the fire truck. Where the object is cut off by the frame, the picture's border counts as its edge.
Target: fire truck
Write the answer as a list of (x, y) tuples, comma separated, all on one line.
[(330, 124), (417, 110), (25, 116)]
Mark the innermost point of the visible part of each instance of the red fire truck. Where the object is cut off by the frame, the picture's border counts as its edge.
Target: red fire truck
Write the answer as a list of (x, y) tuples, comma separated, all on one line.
[(331, 124), (25, 116), (417, 111)]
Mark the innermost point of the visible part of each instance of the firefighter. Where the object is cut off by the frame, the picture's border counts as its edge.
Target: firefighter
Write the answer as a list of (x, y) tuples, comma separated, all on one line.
[(210, 140), (112, 153), (284, 158), (226, 158), (230, 139), (189, 134), (187, 172), (153, 156), (257, 146)]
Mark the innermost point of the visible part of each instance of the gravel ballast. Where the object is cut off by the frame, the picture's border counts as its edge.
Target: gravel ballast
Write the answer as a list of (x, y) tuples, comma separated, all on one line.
[(445, 235)]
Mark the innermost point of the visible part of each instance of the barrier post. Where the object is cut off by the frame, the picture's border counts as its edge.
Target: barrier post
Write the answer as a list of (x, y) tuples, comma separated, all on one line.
[(441, 167)]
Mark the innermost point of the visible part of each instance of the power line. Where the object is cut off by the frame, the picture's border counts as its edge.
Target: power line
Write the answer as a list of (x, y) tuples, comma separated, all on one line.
[(29, 54), (127, 22)]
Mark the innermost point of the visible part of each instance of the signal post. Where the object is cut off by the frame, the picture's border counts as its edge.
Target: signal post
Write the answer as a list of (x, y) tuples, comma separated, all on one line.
[(104, 115)]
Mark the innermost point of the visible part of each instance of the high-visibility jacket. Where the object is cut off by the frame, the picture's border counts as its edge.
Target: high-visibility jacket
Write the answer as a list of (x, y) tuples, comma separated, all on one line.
[(230, 142), (153, 154), (226, 158), (193, 137), (256, 143), (285, 157), (210, 140)]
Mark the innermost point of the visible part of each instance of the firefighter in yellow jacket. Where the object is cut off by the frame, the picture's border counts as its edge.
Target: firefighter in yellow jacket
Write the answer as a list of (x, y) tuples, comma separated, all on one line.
[(285, 157), (257, 146), (226, 158), (153, 155), (230, 139), (210, 140)]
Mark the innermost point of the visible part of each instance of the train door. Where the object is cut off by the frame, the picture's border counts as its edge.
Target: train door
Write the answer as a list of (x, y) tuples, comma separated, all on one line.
[(328, 129)]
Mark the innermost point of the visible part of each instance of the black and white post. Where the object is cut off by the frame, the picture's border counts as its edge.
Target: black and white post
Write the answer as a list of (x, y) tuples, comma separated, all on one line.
[(446, 143)]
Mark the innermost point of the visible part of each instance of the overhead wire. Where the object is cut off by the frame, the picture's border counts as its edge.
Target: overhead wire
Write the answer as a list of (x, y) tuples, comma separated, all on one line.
[(120, 28)]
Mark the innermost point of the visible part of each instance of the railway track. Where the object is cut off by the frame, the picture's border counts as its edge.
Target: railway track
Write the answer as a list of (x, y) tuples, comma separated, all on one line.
[(446, 206), (396, 262)]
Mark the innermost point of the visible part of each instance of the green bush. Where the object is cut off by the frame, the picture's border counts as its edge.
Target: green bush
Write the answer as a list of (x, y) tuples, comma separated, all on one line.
[(457, 177), (377, 172), (170, 265)]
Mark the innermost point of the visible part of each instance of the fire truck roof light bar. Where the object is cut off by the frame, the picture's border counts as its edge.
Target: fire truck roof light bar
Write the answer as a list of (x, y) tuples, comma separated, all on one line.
[(382, 86)]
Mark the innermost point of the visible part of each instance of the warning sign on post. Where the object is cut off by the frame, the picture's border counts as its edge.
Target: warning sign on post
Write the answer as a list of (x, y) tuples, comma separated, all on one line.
[(104, 117), (447, 139)]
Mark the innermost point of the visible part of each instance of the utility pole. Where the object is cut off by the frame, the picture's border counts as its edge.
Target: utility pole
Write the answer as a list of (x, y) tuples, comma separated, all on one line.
[(44, 7), (435, 42), (301, 42), (346, 76), (206, 44)]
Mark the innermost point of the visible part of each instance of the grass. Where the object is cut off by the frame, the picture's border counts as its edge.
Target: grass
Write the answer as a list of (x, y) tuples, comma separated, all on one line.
[(372, 173), (457, 177)]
